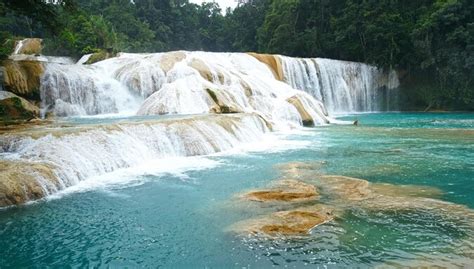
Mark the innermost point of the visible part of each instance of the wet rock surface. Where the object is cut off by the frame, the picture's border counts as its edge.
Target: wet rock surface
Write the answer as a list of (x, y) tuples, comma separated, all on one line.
[(312, 199), (24, 181), (298, 221), (23, 78), (285, 191)]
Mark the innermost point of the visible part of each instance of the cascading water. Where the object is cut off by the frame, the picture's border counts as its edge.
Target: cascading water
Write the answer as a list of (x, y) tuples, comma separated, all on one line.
[(76, 154), (342, 86), (83, 90), (177, 83)]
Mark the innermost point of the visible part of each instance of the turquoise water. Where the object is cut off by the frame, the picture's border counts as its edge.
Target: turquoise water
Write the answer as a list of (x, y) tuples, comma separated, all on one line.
[(183, 219)]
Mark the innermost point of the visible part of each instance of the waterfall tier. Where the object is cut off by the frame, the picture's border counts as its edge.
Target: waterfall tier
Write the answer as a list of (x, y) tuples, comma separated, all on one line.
[(176, 83), (342, 86), (56, 158)]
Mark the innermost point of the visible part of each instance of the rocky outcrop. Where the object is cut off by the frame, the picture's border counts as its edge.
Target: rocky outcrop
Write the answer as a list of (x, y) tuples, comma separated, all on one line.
[(298, 221), (29, 46), (287, 190), (306, 118), (99, 56), (13, 107), (272, 61), (168, 60), (224, 102), (205, 71), (293, 216), (23, 78), (22, 181)]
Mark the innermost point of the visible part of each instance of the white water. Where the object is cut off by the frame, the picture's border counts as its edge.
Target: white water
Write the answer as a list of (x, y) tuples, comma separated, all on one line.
[(83, 90), (82, 153), (342, 86), (174, 83), (18, 46)]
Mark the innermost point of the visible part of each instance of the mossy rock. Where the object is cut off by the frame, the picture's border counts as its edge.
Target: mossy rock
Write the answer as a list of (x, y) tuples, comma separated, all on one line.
[(99, 56), (15, 108)]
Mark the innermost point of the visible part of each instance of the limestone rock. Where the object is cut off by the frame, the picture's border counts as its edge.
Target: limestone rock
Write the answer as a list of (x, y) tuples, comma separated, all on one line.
[(224, 102), (24, 181), (205, 71), (272, 61), (287, 190), (23, 78), (305, 116), (298, 221), (168, 60)]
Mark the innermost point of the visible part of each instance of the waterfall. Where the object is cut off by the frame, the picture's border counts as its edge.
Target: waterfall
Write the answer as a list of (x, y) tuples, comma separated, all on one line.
[(78, 153), (69, 89), (179, 82), (18, 46), (342, 86), (244, 87)]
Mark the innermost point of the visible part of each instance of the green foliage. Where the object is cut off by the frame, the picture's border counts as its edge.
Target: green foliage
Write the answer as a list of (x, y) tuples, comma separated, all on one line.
[(432, 41), (7, 43)]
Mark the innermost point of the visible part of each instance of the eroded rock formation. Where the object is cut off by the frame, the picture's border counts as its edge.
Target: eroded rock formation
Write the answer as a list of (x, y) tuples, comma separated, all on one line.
[(341, 194), (286, 190), (272, 61), (25, 181), (23, 78)]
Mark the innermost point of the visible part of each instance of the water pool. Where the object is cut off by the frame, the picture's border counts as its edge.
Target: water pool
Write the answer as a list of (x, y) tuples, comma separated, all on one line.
[(181, 217)]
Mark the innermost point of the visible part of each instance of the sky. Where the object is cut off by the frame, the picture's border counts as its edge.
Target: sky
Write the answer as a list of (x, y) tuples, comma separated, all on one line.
[(222, 3)]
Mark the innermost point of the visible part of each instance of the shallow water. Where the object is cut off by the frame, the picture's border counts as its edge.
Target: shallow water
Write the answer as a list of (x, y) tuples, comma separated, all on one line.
[(177, 213)]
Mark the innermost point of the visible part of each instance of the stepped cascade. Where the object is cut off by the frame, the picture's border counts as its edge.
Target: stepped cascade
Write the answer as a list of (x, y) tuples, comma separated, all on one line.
[(59, 158), (176, 83), (252, 93)]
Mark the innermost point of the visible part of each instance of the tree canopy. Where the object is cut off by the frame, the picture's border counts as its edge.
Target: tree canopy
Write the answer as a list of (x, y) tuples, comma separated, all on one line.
[(431, 41)]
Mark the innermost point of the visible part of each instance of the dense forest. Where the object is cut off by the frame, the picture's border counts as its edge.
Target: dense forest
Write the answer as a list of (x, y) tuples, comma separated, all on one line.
[(430, 42)]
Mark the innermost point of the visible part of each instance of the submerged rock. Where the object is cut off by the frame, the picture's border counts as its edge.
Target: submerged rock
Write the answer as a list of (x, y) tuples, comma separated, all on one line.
[(360, 192), (287, 190), (298, 221), (346, 188), (338, 194)]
